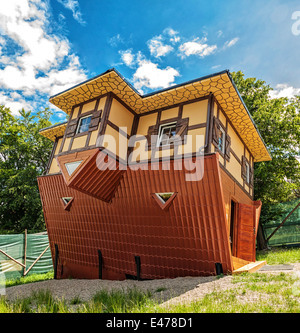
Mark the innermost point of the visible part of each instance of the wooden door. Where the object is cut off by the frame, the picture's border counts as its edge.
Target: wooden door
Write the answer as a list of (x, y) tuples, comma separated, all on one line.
[(246, 232)]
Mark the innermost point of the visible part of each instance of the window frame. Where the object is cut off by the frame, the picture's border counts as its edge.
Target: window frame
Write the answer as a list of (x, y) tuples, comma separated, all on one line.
[(160, 131), (79, 124), (223, 148), (64, 199), (247, 171), (67, 166), (164, 193)]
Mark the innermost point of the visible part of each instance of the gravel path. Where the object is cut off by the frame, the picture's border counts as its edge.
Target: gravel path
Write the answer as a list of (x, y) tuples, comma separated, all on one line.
[(183, 289)]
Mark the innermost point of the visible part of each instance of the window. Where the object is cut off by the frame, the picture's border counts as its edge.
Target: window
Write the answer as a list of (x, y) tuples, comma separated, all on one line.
[(164, 197), (247, 172), (222, 138), (166, 134), (66, 200), (164, 200), (72, 166), (84, 124)]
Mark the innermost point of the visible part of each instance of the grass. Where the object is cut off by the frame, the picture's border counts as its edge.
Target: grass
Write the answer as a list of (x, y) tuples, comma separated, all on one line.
[(28, 279), (279, 255), (250, 293), (115, 301), (254, 293)]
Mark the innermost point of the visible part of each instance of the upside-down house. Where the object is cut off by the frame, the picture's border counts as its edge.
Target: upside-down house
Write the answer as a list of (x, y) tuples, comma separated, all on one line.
[(151, 186)]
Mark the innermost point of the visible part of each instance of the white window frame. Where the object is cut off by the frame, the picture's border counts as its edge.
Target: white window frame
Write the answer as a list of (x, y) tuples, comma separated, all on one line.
[(161, 199), (160, 135), (222, 149), (80, 120), (64, 199), (70, 163)]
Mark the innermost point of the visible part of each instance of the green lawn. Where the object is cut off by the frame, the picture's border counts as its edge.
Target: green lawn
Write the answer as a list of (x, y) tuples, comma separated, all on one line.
[(279, 255), (29, 279)]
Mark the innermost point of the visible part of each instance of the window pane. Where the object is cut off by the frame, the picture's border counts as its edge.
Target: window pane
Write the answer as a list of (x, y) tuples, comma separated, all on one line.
[(222, 141), (84, 124), (167, 133), (72, 166), (247, 173)]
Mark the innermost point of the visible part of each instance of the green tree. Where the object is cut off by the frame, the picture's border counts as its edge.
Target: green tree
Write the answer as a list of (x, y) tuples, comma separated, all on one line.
[(278, 120), (24, 156)]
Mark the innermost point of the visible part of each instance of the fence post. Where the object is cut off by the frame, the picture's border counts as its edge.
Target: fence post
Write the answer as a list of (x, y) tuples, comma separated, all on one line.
[(25, 247), (55, 261), (138, 267), (100, 259)]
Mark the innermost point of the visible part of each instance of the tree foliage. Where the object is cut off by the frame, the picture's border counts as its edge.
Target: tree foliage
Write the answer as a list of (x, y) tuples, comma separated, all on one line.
[(278, 121), (24, 156)]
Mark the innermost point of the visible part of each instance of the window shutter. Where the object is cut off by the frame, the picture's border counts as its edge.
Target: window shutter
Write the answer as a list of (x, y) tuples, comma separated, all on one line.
[(244, 169), (215, 132), (71, 128), (152, 130), (182, 127), (96, 117), (227, 147)]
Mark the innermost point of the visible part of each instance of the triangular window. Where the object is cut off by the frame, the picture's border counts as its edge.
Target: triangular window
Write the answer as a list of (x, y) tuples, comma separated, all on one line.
[(72, 166), (165, 199), (67, 201)]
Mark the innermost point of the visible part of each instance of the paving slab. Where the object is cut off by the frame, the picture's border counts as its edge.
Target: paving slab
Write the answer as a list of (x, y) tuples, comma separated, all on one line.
[(283, 267)]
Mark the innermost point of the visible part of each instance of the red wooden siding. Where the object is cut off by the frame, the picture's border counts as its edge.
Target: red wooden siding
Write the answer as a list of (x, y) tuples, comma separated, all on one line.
[(91, 177), (185, 240), (246, 232)]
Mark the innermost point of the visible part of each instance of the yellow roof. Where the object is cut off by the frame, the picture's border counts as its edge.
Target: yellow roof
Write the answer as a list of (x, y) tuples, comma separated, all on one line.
[(220, 84), (54, 131)]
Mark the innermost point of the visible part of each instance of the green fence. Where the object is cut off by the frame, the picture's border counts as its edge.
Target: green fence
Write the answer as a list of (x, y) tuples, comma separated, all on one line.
[(289, 232), (14, 246)]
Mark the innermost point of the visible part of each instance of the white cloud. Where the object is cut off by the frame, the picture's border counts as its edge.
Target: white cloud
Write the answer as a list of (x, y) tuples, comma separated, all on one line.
[(170, 31), (158, 48), (42, 63), (127, 57), (196, 47), (174, 38), (231, 42), (284, 90), (73, 6), (14, 102), (150, 76)]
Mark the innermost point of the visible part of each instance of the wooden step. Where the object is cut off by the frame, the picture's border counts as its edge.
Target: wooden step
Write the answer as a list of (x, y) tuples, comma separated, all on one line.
[(250, 267), (238, 262)]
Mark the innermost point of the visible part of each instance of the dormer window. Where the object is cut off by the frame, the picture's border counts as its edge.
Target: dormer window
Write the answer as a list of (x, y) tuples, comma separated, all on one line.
[(166, 134), (84, 124)]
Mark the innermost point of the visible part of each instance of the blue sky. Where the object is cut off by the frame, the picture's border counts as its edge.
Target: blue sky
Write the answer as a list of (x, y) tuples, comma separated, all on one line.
[(47, 46)]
